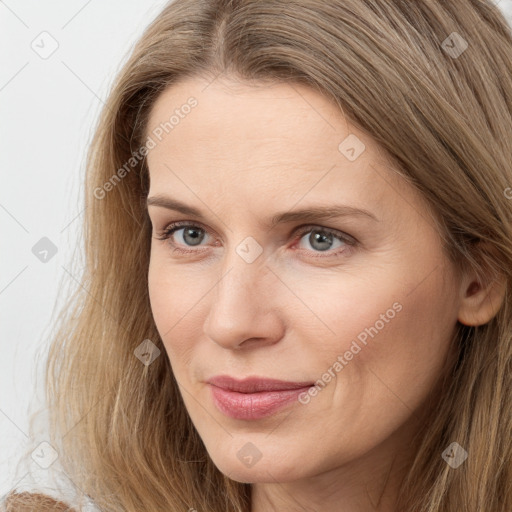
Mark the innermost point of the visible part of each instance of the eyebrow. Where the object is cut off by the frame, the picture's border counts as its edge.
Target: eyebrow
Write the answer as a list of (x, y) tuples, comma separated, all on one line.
[(317, 213)]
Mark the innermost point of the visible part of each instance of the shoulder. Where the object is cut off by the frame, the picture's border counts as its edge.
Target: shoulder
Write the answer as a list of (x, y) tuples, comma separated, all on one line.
[(32, 502)]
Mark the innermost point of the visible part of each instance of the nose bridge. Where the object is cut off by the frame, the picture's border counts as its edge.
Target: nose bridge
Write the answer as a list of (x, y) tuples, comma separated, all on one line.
[(239, 306), (239, 287), (244, 271)]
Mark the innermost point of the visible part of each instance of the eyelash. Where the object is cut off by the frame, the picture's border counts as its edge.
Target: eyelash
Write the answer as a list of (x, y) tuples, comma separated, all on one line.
[(350, 241)]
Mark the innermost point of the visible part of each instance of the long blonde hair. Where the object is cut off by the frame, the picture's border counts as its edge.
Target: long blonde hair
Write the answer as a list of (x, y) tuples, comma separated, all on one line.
[(431, 81)]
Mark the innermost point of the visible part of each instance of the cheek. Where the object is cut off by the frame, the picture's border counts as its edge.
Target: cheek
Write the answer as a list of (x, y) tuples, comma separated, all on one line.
[(180, 301), (172, 295), (388, 335), (354, 308), (394, 343), (160, 285)]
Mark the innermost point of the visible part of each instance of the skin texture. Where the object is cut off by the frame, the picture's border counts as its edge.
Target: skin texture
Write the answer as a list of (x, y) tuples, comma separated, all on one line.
[(243, 154)]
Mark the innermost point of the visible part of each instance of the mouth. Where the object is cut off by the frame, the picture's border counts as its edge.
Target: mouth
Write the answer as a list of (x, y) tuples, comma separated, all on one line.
[(255, 397)]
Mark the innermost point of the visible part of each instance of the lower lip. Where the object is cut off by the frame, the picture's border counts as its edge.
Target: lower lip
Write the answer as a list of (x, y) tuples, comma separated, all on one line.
[(253, 406)]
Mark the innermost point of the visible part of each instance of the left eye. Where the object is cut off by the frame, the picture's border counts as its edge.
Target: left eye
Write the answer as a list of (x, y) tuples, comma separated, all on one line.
[(320, 239)]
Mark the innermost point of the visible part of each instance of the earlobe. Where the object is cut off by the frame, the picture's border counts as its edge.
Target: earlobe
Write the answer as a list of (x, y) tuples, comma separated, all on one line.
[(481, 302)]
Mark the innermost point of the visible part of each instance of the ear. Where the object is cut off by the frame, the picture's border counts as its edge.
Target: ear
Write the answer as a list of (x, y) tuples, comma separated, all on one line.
[(482, 295)]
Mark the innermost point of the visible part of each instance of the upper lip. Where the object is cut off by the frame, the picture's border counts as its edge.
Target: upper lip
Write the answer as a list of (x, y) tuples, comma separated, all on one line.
[(255, 384)]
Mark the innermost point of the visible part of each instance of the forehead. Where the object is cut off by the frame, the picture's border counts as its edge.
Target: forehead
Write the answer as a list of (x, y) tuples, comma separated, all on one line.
[(263, 139), (276, 117)]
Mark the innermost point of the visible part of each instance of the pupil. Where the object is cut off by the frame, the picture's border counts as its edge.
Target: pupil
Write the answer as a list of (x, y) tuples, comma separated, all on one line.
[(195, 239), (324, 239)]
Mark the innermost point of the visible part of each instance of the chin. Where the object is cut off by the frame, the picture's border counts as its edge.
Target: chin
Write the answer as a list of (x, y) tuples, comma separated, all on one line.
[(269, 468)]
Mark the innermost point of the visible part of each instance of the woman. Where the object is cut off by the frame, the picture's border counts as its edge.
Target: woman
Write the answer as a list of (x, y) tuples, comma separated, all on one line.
[(298, 235)]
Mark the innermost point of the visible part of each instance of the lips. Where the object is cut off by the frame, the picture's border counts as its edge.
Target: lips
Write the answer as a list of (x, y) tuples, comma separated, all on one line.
[(254, 398), (255, 384)]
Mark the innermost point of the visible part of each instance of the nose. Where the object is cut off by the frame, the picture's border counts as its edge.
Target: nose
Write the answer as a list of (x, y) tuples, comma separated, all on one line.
[(244, 307)]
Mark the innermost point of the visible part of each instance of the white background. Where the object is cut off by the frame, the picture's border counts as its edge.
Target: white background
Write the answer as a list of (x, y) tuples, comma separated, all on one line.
[(48, 109)]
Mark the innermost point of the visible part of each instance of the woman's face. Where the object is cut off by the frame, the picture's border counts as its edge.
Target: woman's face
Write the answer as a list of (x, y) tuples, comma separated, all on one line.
[(361, 301)]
